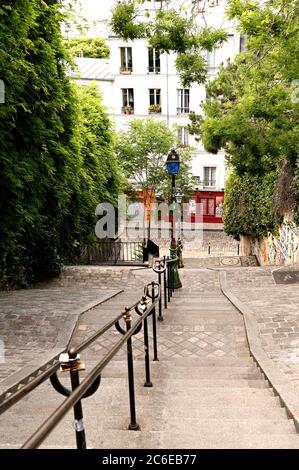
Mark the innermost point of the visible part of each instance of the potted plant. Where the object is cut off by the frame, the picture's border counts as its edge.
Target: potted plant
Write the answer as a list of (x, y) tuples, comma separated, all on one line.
[(155, 108), (127, 110), (126, 70)]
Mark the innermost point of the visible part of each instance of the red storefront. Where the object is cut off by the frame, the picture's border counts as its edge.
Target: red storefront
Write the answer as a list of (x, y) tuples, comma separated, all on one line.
[(212, 205)]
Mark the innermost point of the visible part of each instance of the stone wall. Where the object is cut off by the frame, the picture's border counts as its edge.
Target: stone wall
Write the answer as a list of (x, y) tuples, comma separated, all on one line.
[(274, 250)]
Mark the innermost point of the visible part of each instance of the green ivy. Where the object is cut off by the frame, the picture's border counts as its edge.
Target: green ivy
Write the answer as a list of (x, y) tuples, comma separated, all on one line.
[(248, 206), (49, 182), (96, 48)]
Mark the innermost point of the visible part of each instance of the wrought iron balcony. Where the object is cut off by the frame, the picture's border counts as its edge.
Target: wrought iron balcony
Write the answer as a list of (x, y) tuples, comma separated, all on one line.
[(183, 110), (154, 70), (210, 183)]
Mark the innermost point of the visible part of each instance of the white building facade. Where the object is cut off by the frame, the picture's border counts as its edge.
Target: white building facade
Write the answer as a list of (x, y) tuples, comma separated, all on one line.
[(138, 82)]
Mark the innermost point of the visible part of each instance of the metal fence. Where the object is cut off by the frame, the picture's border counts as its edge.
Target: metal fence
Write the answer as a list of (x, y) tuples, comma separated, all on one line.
[(115, 252)]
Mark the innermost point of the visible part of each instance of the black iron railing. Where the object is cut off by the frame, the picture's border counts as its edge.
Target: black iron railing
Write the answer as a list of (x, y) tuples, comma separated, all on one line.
[(115, 252), (69, 360)]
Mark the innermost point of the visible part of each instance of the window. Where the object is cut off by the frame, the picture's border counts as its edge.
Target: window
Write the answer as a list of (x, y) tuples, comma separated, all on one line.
[(183, 101), (128, 101), (126, 62), (211, 59), (209, 176), (154, 65), (208, 205), (183, 135), (242, 43), (154, 100)]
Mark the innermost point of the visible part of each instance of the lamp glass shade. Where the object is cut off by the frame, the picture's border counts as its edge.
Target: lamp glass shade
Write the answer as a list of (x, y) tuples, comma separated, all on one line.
[(173, 167)]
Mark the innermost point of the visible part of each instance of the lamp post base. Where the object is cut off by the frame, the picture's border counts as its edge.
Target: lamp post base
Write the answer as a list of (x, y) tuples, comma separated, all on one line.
[(174, 273)]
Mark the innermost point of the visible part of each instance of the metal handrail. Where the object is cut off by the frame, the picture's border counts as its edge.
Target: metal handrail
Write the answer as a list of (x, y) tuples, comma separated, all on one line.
[(14, 397), (148, 305), (47, 427)]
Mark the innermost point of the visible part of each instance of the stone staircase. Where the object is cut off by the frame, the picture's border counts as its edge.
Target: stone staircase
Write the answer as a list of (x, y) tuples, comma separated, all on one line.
[(207, 393)]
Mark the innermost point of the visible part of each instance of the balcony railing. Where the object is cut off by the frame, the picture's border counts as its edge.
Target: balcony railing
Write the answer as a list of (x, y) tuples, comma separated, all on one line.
[(126, 70), (127, 110), (183, 110), (210, 183), (154, 70)]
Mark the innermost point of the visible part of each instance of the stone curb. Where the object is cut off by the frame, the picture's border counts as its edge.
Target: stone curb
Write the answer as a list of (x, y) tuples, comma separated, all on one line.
[(281, 385)]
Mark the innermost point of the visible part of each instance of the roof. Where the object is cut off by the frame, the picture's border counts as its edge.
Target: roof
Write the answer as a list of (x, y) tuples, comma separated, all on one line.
[(92, 69)]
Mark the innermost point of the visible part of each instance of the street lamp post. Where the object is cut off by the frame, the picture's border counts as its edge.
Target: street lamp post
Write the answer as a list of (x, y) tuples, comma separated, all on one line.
[(179, 199), (173, 166)]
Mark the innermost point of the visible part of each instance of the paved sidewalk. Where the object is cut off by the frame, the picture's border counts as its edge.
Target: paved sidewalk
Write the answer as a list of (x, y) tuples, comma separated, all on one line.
[(36, 322), (276, 310)]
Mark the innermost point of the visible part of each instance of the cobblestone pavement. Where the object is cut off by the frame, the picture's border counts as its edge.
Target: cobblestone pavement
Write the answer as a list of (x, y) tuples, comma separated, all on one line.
[(276, 310), (217, 335), (212, 244), (35, 321)]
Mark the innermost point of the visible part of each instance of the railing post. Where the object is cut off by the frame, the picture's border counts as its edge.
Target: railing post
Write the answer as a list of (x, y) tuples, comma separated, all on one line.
[(171, 278), (209, 248), (148, 382), (74, 362), (165, 284), (168, 281), (160, 316), (133, 426), (154, 325), (238, 249)]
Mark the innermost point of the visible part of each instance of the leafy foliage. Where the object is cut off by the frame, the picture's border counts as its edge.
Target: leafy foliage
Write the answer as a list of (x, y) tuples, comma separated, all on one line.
[(95, 48), (142, 154), (248, 208), (251, 111), (47, 186), (169, 30)]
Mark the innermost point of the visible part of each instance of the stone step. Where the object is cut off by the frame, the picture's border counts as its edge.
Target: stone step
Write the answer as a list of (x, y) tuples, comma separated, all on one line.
[(204, 374), (222, 362), (192, 390), (189, 384), (159, 370), (202, 426), (180, 440), (198, 396)]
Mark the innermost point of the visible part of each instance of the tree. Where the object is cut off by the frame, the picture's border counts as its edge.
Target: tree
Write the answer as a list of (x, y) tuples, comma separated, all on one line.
[(252, 112), (142, 154), (99, 175), (174, 29), (96, 48), (47, 186)]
